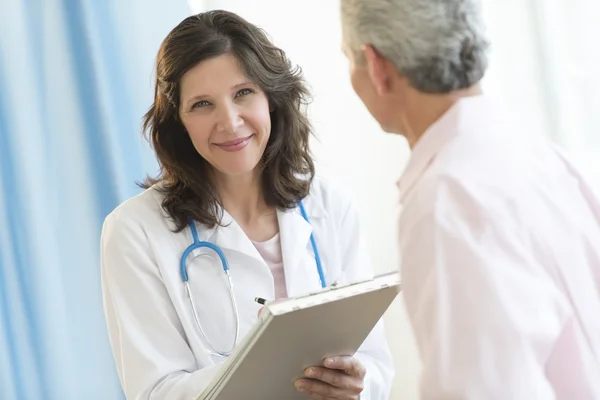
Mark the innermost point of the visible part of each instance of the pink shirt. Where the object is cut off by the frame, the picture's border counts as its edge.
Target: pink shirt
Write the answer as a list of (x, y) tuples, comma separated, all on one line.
[(500, 259), (270, 251)]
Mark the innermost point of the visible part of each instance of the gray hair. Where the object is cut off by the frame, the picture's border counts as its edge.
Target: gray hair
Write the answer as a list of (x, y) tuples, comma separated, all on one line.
[(438, 45)]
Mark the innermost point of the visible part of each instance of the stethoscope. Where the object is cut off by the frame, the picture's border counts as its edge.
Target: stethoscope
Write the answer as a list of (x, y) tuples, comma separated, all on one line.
[(197, 244)]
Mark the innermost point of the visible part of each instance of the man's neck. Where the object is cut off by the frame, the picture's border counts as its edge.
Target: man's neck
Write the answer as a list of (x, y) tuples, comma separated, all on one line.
[(422, 110), (242, 196)]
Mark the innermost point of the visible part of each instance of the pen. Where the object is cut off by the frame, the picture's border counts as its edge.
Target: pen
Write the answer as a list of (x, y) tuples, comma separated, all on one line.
[(260, 300)]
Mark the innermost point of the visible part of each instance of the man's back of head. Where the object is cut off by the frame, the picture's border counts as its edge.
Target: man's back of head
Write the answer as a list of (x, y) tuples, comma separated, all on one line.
[(437, 47)]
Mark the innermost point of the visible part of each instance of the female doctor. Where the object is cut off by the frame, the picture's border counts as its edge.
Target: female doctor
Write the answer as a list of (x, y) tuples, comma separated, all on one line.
[(232, 216)]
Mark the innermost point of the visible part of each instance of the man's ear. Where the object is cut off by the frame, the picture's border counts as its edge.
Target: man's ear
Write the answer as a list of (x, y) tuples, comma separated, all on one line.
[(377, 69)]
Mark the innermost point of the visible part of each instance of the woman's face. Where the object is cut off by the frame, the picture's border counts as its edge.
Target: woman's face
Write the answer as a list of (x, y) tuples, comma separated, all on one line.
[(227, 116)]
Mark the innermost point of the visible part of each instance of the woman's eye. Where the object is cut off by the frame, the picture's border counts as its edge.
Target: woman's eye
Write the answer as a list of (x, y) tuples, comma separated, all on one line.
[(244, 92), (201, 103)]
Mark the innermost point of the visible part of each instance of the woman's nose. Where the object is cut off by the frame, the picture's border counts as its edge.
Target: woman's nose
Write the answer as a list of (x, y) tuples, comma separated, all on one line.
[(229, 119)]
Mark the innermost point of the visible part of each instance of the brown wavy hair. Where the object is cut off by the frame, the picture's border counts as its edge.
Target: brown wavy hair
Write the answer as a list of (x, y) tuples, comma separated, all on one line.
[(184, 177)]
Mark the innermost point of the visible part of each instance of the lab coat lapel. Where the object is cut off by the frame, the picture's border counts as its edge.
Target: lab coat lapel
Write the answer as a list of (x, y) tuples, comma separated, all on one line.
[(250, 273), (299, 263), (301, 272), (231, 236)]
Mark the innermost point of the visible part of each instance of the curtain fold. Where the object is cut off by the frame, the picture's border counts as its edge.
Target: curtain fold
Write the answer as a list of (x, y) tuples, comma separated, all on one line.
[(75, 79)]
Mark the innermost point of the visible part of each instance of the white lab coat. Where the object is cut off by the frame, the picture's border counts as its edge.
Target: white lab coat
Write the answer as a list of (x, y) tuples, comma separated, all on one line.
[(158, 352), (500, 252)]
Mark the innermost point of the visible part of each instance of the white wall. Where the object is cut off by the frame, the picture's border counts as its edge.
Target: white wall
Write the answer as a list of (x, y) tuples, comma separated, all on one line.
[(353, 150), (544, 65)]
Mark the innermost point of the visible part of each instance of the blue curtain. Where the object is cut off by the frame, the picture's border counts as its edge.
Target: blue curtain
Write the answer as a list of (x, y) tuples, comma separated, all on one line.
[(75, 80)]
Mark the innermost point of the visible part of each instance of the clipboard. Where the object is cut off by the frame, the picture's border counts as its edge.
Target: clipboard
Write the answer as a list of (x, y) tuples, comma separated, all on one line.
[(299, 332)]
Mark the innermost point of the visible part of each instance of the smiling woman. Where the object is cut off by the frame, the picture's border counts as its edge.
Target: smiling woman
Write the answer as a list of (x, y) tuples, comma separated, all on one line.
[(236, 201), (257, 92), (225, 119)]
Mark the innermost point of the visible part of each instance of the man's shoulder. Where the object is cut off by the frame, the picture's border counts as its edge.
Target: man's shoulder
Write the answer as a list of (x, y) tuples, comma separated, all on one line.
[(455, 194), (468, 175)]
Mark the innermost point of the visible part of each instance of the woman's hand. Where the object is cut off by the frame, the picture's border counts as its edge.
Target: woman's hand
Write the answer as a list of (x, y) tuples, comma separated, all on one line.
[(338, 378)]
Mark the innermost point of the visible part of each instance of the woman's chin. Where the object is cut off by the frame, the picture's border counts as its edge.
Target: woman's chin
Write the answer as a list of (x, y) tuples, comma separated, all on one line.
[(238, 170)]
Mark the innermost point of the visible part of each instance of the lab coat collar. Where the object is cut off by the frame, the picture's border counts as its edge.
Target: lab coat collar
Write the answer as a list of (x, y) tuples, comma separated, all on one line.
[(465, 115), (298, 258), (230, 236)]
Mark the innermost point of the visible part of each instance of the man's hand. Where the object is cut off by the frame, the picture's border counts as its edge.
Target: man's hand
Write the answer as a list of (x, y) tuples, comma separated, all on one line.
[(338, 378)]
